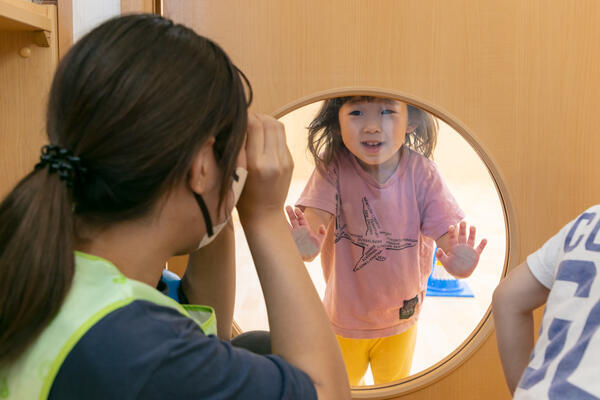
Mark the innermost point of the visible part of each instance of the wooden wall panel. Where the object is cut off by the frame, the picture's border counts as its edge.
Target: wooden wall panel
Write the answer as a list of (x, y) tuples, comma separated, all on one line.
[(65, 26), (520, 75)]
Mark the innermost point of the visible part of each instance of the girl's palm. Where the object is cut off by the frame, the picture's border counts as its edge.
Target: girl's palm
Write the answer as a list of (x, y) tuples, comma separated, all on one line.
[(308, 242), (463, 256)]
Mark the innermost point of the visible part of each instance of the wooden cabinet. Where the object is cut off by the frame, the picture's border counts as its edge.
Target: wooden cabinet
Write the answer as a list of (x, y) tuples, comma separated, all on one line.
[(28, 58)]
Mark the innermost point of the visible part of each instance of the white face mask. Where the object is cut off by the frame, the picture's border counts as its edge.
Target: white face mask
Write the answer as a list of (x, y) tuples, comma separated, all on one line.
[(237, 186)]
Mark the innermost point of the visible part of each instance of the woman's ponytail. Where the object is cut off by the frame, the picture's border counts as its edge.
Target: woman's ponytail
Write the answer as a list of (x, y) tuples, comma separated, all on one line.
[(135, 98), (36, 258)]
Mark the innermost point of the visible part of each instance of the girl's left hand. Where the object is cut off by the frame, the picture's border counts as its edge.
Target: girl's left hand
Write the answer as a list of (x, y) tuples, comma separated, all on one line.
[(463, 256)]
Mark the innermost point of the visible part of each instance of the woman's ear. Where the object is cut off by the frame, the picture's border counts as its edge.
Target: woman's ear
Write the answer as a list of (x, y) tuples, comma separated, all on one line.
[(201, 173)]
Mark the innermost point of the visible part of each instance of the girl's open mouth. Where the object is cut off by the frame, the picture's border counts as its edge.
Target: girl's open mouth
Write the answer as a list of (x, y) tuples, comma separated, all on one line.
[(371, 143), (372, 146)]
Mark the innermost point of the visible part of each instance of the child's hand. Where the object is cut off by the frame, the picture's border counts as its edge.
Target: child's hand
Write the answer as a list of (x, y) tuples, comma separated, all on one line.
[(462, 257), (308, 242)]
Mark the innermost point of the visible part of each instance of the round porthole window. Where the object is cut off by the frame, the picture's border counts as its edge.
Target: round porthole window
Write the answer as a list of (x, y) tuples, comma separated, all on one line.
[(438, 172)]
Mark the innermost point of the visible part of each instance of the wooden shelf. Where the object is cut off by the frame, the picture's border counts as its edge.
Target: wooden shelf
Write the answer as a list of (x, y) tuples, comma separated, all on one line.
[(21, 15)]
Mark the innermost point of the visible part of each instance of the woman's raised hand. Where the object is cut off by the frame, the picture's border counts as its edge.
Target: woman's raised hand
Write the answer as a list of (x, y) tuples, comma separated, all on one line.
[(270, 168), (300, 329)]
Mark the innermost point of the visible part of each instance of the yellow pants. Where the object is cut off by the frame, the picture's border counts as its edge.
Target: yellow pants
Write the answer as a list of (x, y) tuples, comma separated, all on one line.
[(390, 357)]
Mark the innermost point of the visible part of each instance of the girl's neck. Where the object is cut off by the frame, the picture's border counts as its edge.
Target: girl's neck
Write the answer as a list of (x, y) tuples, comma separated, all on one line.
[(382, 172)]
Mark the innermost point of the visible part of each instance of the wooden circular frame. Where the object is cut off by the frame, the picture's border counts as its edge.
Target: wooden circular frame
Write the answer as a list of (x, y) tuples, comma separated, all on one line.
[(485, 327)]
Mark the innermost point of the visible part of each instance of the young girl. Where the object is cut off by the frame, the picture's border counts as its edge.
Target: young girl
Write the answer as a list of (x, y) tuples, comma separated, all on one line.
[(374, 206)]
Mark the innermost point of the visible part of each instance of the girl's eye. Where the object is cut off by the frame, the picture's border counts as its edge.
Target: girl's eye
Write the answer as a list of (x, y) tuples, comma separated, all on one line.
[(355, 112), (388, 112)]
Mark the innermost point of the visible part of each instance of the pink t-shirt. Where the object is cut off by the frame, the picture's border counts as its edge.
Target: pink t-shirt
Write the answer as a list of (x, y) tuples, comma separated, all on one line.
[(378, 251)]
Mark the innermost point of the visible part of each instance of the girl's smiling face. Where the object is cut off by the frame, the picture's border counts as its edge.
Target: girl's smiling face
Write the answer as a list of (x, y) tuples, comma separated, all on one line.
[(374, 132)]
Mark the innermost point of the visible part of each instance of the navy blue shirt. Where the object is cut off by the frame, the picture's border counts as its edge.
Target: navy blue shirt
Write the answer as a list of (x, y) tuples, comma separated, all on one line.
[(146, 351)]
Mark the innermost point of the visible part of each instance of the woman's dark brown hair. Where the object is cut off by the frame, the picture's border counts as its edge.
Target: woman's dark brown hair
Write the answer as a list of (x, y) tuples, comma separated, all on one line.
[(325, 138), (134, 99)]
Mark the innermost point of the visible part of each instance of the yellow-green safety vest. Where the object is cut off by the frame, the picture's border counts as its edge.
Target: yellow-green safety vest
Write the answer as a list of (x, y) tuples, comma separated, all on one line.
[(98, 288)]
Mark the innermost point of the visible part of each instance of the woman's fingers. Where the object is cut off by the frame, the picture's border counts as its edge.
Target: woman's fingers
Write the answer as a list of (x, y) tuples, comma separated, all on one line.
[(283, 149), (275, 141), (272, 139), (275, 157), (269, 168), (254, 137)]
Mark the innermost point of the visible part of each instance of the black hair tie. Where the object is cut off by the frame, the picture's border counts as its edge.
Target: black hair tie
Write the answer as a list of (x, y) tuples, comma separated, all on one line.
[(62, 161)]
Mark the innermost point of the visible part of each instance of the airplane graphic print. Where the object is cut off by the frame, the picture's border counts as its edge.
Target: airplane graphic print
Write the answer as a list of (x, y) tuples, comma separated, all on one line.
[(374, 242)]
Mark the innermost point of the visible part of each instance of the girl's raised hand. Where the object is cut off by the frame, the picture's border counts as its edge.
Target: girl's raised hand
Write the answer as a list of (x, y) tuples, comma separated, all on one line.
[(269, 165), (308, 242), (462, 255)]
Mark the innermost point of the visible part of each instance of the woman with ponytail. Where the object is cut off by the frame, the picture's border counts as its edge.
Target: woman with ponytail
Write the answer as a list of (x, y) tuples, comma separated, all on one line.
[(150, 146)]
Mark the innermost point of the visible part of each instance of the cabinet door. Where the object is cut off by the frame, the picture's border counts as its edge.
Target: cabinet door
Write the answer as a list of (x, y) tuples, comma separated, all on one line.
[(26, 69)]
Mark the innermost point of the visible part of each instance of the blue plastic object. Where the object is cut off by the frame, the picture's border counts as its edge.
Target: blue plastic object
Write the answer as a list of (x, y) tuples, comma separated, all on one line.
[(173, 281), (441, 284)]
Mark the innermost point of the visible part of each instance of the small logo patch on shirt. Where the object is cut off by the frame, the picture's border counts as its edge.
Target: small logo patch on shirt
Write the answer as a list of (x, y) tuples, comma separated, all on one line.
[(408, 309)]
